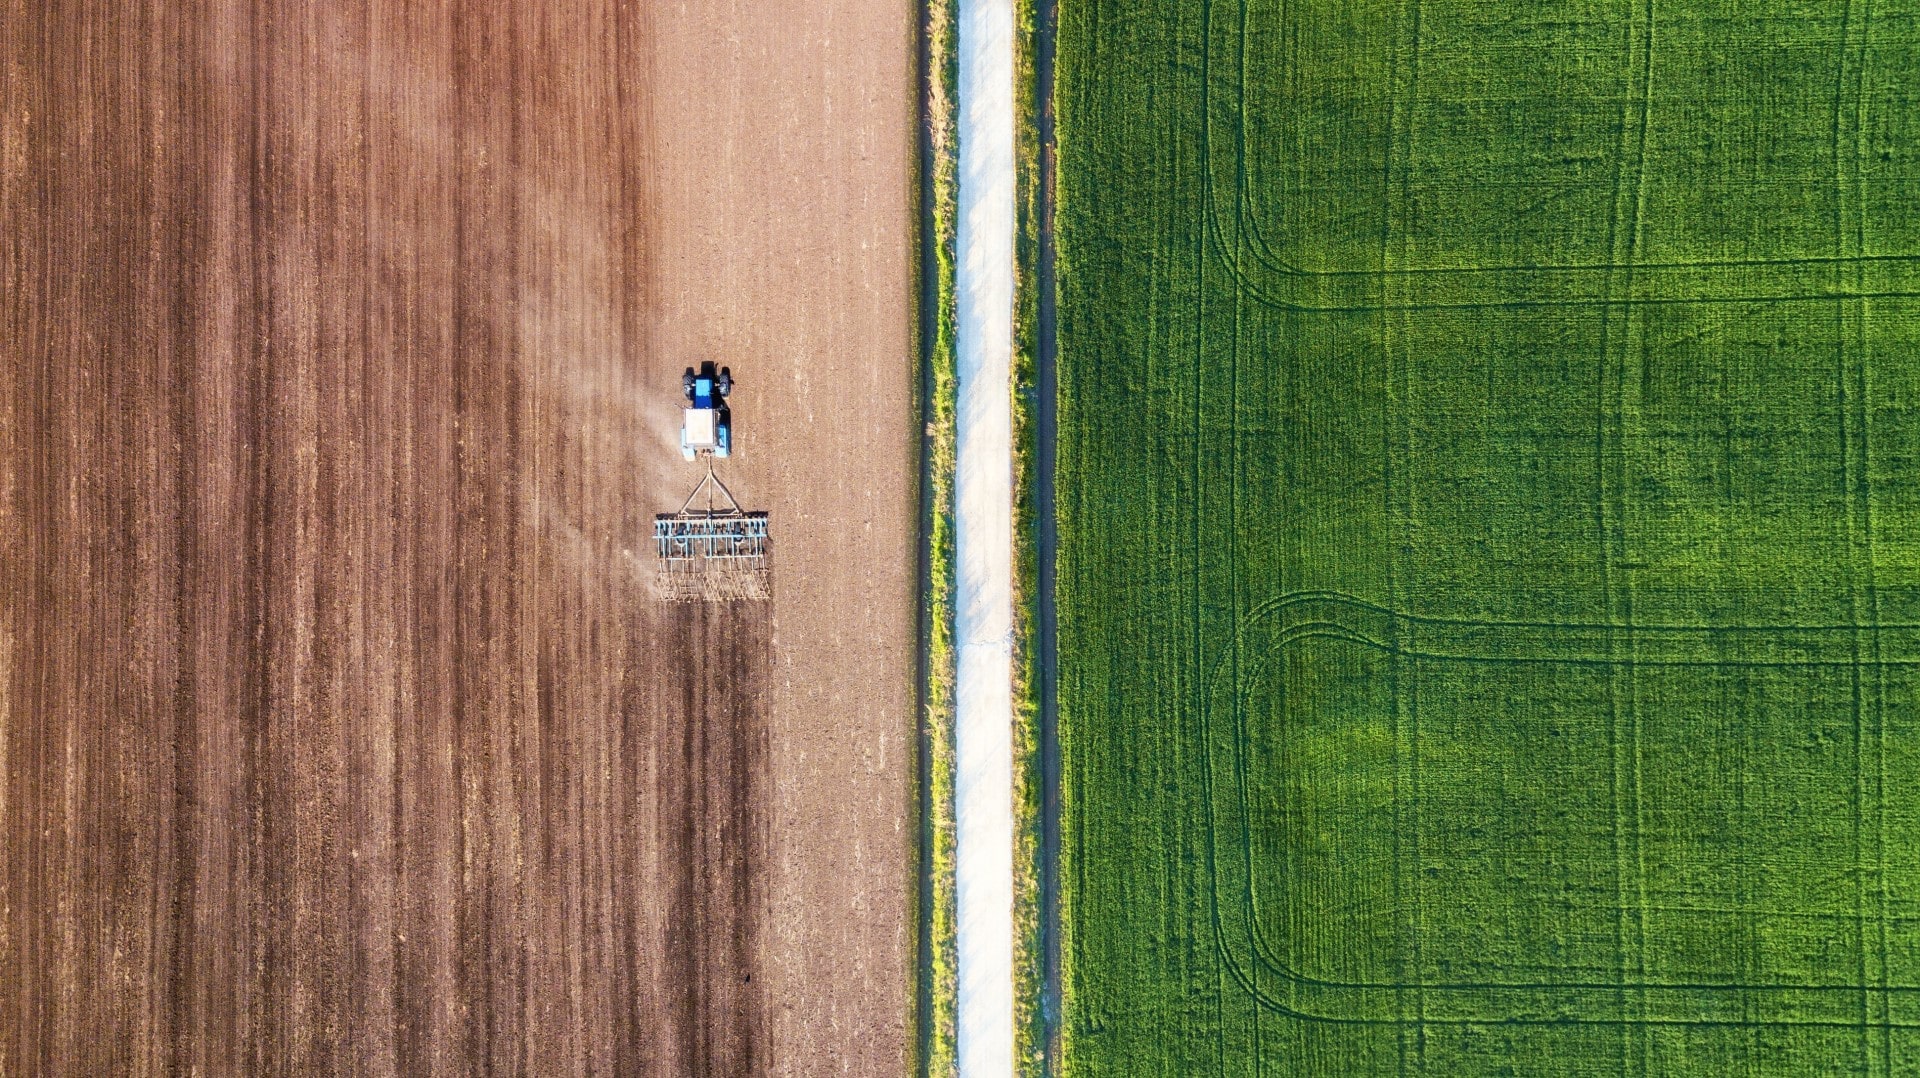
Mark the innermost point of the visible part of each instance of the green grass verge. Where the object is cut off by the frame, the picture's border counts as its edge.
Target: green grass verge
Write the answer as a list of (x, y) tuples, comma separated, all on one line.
[(1030, 1039), (1490, 512), (937, 1042)]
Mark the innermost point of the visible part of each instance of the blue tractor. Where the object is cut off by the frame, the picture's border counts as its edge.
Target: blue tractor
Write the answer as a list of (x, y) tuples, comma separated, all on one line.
[(706, 427)]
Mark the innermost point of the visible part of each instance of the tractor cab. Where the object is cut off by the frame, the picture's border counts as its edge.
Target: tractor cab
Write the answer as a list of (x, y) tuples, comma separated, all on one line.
[(706, 427)]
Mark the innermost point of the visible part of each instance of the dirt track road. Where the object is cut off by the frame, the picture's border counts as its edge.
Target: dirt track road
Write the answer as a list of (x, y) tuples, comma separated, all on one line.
[(338, 370)]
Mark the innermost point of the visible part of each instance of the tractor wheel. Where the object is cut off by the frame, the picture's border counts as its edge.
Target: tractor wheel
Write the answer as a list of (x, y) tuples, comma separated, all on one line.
[(726, 381)]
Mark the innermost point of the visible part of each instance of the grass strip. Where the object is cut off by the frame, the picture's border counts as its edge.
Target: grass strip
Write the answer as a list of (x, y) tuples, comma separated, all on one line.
[(936, 994)]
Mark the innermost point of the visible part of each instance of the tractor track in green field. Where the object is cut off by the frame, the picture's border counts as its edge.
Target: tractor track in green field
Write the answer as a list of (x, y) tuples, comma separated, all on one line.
[(1531, 685), (1901, 272), (1526, 1001), (1601, 638)]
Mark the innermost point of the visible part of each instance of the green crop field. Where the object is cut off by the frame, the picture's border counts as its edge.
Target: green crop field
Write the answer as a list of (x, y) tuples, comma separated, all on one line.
[(1490, 554)]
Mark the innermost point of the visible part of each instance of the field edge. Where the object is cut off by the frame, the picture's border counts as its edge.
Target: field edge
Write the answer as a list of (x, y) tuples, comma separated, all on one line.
[(936, 984)]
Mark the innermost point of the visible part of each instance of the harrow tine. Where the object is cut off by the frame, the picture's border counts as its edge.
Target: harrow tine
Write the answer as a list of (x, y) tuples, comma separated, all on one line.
[(717, 555)]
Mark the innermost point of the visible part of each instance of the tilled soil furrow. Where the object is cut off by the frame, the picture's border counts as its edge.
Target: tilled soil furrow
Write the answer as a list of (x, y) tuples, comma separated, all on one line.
[(339, 350), (339, 734)]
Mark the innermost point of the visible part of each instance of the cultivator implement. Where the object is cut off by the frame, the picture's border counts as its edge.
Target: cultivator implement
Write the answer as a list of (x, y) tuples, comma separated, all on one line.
[(711, 549)]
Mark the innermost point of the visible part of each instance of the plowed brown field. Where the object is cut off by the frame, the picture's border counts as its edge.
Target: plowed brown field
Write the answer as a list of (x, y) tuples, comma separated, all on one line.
[(338, 377)]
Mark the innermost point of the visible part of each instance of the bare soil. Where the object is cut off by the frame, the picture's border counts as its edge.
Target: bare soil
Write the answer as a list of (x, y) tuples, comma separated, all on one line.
[(339, 732)]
